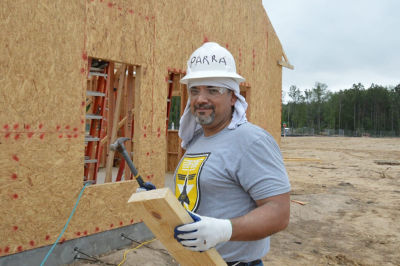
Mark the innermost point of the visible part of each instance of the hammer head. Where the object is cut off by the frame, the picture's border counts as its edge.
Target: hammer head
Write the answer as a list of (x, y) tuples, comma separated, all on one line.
[(118, 144)]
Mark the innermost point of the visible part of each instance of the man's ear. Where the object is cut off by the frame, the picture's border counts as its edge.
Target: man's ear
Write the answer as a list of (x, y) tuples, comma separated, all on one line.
[(233, 99)]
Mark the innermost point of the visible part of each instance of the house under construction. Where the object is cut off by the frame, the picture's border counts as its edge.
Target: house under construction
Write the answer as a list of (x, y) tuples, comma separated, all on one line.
[(78, 74)]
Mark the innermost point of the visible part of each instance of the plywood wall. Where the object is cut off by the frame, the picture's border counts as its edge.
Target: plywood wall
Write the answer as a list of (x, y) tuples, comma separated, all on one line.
[(45, 47)]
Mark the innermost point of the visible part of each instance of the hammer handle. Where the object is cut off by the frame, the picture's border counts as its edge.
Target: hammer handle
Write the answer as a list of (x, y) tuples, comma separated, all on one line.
[(132, 167)]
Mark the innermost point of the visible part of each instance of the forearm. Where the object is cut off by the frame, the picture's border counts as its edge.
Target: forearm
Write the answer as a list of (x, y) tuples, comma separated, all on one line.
[(271, 216)]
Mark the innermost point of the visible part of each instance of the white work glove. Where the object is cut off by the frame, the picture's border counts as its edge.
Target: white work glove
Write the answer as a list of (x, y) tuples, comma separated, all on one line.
[(204, 233)]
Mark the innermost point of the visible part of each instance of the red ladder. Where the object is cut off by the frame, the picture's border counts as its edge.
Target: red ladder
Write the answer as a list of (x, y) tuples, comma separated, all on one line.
[(100, 71)]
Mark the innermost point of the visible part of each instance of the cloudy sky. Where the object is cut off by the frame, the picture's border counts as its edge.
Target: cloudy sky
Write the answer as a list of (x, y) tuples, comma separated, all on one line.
[(338, 42)]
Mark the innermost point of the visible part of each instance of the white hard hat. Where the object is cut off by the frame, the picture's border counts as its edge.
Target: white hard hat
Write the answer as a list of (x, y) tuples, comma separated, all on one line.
[(211, 61)]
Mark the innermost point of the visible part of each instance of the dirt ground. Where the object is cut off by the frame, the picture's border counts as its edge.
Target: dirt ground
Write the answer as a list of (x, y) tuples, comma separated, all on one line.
[(347, 210)]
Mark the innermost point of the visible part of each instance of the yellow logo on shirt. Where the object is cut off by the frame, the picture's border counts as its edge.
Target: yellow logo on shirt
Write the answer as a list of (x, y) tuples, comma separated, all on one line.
[(187, 188)]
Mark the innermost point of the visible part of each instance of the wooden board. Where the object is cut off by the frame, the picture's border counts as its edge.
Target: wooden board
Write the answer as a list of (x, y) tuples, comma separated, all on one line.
[(121, 76), (162, 212)]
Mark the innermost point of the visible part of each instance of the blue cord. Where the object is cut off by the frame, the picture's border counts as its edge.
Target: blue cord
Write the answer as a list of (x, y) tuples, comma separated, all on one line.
[(65, 226)]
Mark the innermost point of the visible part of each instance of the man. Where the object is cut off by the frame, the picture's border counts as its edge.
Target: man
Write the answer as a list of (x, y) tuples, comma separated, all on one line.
[(232, 178)]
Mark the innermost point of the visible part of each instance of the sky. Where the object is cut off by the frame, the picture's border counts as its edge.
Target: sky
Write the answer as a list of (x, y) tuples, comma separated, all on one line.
[(338, 42)]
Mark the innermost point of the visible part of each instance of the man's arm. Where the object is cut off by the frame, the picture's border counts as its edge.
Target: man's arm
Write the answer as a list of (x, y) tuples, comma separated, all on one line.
[(270, 216)]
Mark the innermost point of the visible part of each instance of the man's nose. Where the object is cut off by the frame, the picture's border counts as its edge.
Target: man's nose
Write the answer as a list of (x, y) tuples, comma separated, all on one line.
[(202, 97)]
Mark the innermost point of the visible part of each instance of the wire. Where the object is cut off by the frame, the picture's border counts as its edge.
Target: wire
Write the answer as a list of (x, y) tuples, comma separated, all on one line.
[(132, 249), (137, 242), (92, 258), (65, 226)]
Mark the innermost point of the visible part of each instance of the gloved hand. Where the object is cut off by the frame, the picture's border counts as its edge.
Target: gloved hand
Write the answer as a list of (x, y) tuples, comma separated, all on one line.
[(204, 233), (147, 186)]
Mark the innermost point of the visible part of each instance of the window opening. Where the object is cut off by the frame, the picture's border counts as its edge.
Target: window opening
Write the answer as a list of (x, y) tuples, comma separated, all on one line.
[(175, 114), (176, 103), (110, 98)]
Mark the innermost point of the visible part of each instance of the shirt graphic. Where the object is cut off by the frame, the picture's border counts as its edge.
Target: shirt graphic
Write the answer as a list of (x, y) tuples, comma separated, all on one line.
[(187, 188)]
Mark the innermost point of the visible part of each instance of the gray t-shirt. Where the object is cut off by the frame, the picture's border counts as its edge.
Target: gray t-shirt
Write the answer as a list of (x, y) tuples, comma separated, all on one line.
[(222, 175)]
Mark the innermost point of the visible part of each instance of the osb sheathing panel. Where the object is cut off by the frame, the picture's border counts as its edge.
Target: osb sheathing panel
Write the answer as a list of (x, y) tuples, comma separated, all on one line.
[(124, 31), (39, 184), (102, 208), (40, 68), (41, 114), (43, 71), (121, 31)]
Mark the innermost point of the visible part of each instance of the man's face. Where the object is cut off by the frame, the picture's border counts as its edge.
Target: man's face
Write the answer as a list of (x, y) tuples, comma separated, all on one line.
[(212, 106)]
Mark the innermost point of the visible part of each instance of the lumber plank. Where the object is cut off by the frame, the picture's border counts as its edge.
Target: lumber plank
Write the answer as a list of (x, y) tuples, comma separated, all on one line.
[(299, 202), (285, 64), (110, 156), (109, 110), (301, 159), (387, 162), (129, 115), (125, 121), (162, 212)]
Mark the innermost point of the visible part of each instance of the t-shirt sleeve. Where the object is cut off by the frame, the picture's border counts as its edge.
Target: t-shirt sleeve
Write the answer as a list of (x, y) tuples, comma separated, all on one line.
[(261, 171)]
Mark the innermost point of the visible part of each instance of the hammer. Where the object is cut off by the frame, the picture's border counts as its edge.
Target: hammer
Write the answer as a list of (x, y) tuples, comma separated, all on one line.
[(119, 146)]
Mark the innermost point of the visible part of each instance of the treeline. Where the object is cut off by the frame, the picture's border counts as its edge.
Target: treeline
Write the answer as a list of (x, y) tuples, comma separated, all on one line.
[(374, 111)]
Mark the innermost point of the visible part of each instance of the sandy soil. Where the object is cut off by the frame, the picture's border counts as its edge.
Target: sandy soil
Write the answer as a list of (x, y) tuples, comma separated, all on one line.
[(351, 208)]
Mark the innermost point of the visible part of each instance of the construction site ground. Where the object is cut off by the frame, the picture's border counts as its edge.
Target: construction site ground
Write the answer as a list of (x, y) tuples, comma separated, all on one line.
[(345, 206)]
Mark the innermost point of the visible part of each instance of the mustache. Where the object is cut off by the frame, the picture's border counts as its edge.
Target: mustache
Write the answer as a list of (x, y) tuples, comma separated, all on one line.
[(207, 106)]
